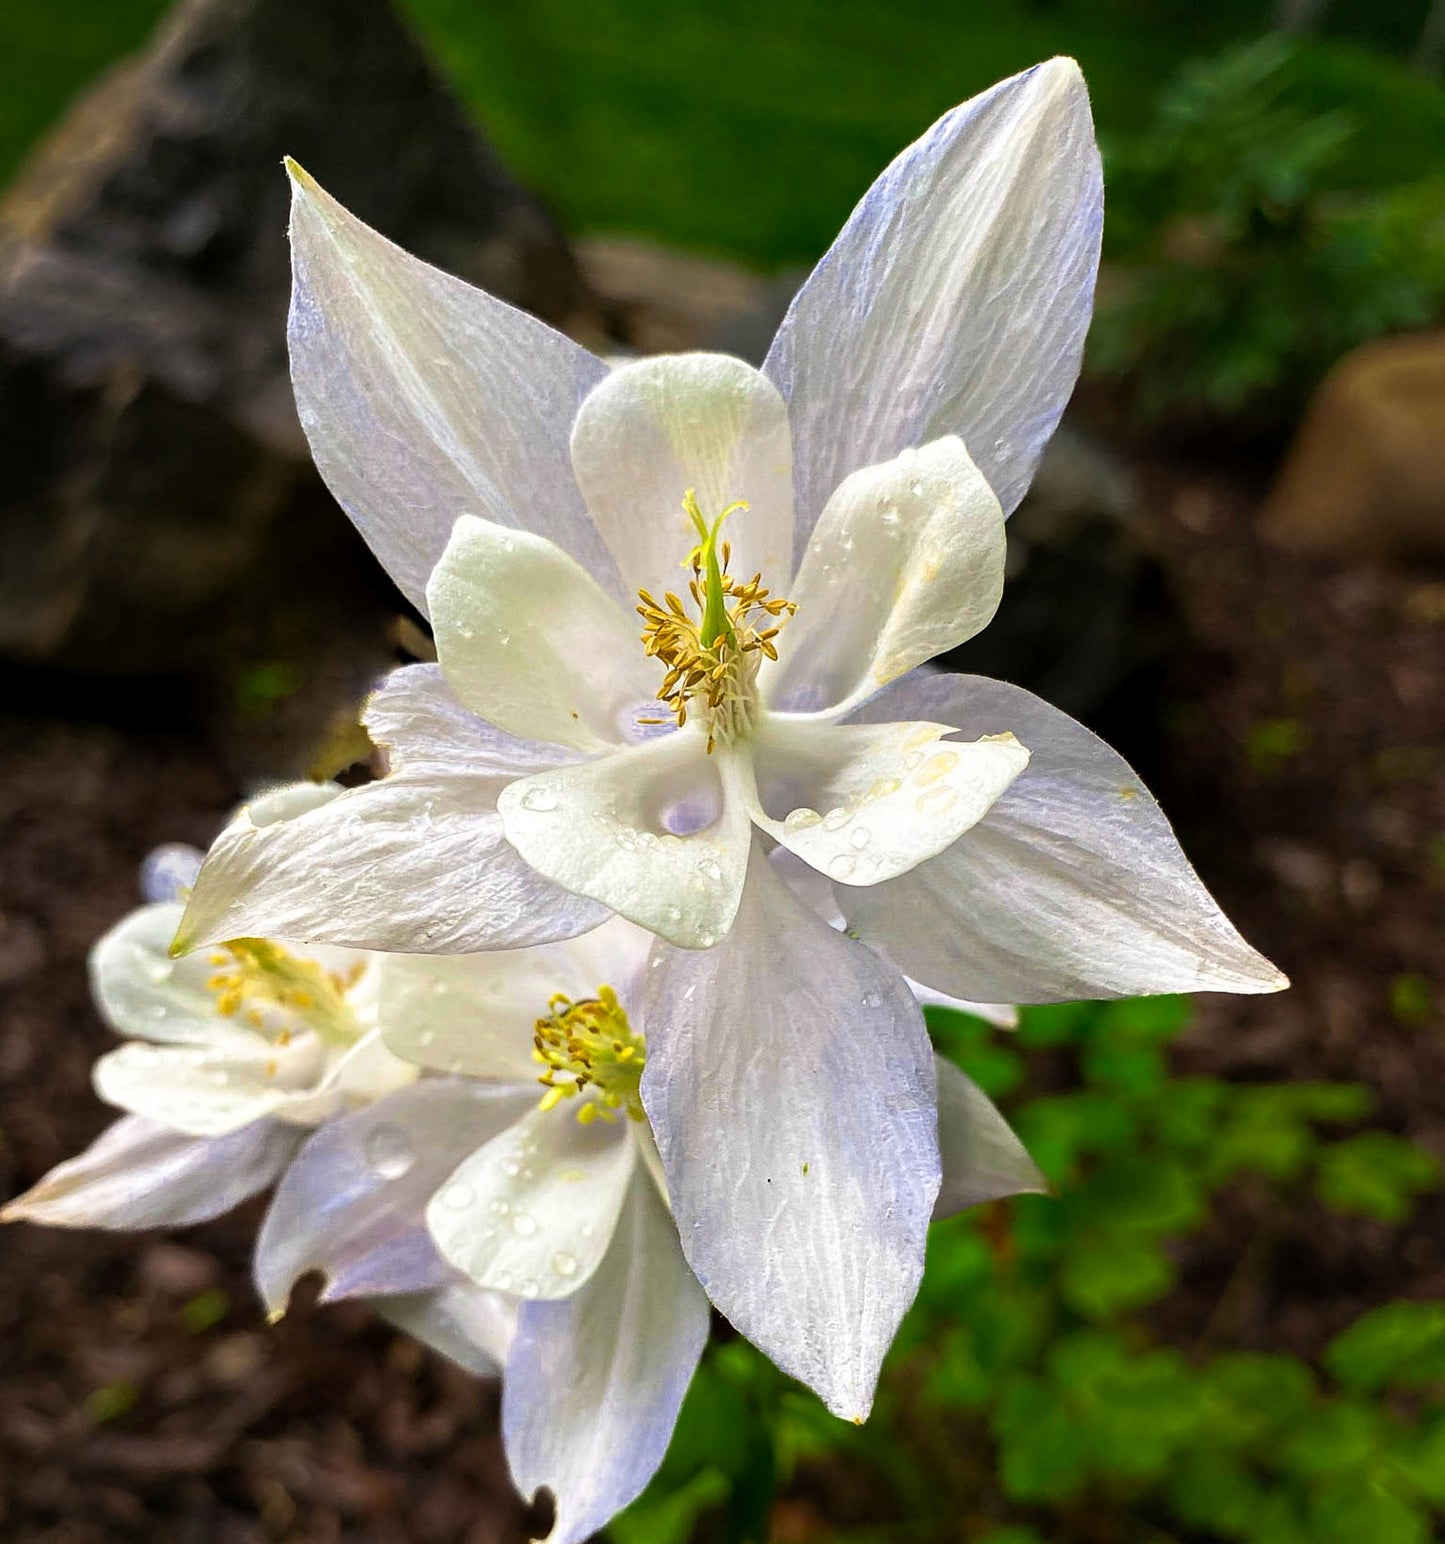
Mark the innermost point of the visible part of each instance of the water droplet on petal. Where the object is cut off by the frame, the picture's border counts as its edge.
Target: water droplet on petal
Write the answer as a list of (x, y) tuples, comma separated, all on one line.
[(800, 820), (539, 799), (389, 1152), (528, 1286), (564, 1264), (836, 819), (842, 866), (503, 638), (468, 633), (458, 1196), (883, 787), (711, 869), (524, 1224), (511, 1168), (501, 1207), (936, 801), (936, 767), (860, 837)]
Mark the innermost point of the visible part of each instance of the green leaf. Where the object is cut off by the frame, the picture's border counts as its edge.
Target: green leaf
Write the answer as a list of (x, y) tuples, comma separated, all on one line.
[(663, 1515), (1400, 1345), (1338, 1435), (1104, 1276), (1375, 1175), (1360, 1510), (1042, 1451)]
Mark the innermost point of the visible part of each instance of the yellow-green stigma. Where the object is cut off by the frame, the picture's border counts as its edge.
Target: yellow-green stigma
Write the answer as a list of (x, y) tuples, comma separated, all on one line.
[(589, 1047), (255, 975), (712, 662)]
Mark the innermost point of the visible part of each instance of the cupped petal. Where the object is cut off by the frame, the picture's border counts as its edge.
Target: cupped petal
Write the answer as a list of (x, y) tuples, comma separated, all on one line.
[(477, 1013), (603, 830), (209, 1090), (141, 991), (865, 803), (532, 1211), (594, 1383), (790, 1086), (353, 1204), (137, 1174), (657, 428), (416, 862), (529, 640), (982, 1159), (956, 298), (906, 562), (468, 1325), (168, 871), (424, 398), (1072, 886)]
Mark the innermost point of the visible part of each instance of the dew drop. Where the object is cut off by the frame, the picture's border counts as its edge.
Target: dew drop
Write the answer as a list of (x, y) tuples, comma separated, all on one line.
[(511, 1168), (539, 799), (389, 1152), (706, 941), (916, 488), (528, 1286), (508, 545), (710, 869), (871, 999), (524, 1224), (842, 866), (674, 914), (158, 973), (502, 1281), (936, 801), (501, 1207), (860, 837), (564, 1264), (883, 787), (468, 633), (503, 638), (426, 1037), (458, 1196), (836, 818)]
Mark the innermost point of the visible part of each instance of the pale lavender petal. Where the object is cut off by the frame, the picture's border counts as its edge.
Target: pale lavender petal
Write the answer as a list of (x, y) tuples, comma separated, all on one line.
[(956, 298), (982, 1159), (790, 1086), (1073, 885), (353, 1204), (465, 1323), (137, 1174), (594, 1381), (424, 398)]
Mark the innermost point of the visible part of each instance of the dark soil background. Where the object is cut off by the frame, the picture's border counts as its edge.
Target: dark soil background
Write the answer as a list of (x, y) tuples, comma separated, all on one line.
[(1296, 741)]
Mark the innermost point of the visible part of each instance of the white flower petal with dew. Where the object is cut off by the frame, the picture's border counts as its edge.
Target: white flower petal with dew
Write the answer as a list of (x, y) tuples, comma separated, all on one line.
[(594, 1382), (353, 1204), (137, 1174), (797, 1131), (956, 298), (1072, 886), (906, 562), (532, 1210), (658, 427), (880, 800), (424, 398)]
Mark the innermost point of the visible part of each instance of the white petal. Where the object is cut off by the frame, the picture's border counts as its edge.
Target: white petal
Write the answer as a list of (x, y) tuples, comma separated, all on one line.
[(906, 562), (206, 1091), (864, 804), (982, 1159), (424, 398), (137, 1174), (416, 715), (415, 862), (477, 1013), (1073, 884), (956, 298), (168, 871), (656, 428), (1000, 1015), (472, 1327), (140, 990), (532, 1211), (594, 1383), (528, 640), (790, 1087), (353, 1204), (601, 830)]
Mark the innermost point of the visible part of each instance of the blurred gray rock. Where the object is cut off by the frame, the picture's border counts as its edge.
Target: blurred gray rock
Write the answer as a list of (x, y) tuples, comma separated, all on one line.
[(153, 465)]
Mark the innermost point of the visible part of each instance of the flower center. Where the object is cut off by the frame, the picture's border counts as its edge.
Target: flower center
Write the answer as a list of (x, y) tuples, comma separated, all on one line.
[(269, 987), (712, 661), (589, 1047)]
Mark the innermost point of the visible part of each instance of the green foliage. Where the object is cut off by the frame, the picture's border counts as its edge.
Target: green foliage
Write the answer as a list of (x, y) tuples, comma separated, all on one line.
[(1249, 255), (1031, 1396)]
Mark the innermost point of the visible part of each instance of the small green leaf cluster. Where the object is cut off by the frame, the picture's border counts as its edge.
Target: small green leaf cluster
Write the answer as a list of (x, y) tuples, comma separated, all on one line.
[(1246, 262), (1032, 1394)]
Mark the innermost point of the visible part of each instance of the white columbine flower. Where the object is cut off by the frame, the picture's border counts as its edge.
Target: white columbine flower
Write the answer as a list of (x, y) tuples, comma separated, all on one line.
[(570, 758)]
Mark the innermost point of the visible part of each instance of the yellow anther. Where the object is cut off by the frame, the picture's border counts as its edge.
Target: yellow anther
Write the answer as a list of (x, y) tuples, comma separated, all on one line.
[(712, 661), (269, 981), (589, 1047)]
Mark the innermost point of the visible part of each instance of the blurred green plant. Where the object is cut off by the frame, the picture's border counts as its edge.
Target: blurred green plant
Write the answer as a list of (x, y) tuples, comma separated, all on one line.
[(1243, 263), (1031, 1398)]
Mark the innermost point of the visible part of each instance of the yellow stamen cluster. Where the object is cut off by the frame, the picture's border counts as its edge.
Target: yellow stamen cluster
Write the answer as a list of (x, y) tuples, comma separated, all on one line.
[(712, 662), (255, 975), (590, 1045)]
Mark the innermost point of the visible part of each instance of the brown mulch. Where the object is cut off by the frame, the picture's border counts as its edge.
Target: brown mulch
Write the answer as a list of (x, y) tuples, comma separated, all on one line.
[(141, 1394)]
